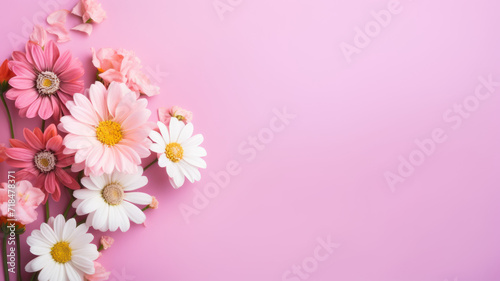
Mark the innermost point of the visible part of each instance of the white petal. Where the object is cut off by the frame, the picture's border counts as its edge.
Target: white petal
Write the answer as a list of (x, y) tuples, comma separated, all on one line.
[(133, 212), (138, 198), (78, 232), (174, 128), (195, 161), (100, 220), (81, 242), (84, 264), (185, 170), (156, 137), (48, 271), (112, 218), (195, 152), (39, 250), (86, 193), (163, 161), (99, 181), (173, 183), (90, 184), (89, 251), (124, 221), (164, 132), (73, 274), (90, 205), (38, 263), (173, 170), (136, 183), (59, 223), (69, 228), (158, 148), (37, 239), (48, 233), (193, 141), (186, 133)]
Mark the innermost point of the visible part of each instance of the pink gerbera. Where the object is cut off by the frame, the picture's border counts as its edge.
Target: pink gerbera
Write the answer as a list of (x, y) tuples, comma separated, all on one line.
[(43, 161), (45, 80), (108, 132)]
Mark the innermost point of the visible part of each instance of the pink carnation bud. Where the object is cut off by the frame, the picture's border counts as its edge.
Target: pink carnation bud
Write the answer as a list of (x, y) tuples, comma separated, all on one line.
[(106, 242), (181, 114), (154, 203), (100, 273)]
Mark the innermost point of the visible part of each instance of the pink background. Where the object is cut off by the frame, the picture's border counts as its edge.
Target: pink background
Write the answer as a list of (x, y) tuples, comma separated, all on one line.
[(322, 175)]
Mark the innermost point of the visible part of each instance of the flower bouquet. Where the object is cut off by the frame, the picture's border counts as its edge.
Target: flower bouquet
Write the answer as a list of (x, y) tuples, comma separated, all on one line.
[(89, 143)]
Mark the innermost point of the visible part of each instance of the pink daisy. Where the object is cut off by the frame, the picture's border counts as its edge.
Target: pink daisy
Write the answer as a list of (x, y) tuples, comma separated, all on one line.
[(45, 80), (109, 132), (42, 160)]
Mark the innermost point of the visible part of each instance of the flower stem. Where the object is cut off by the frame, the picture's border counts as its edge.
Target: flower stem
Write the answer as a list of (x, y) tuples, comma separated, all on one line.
[(34, 276), (150, 164), (100, 248), (71, 200), (145, 208), (43, 125), (18, 249), (8, 115), (47, 211), (4, 253)]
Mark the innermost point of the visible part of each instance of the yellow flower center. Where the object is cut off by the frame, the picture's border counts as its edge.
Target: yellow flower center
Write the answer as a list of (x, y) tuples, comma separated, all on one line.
[(113, 194), (45, 161), (179, 117), (46, 82), (109, 132), (61, 252), (174, 152)]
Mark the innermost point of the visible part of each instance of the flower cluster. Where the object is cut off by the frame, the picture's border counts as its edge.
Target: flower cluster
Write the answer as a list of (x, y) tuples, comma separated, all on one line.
[(92, 149)]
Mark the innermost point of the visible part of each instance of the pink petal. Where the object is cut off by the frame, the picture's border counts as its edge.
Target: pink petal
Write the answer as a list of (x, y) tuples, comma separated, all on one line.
[(19, 57), (32, 139), (18, 144), (13, 93), (33, 108), (72, 87), (58, 17), (78, 9), (62, 63), (23, 69), (51, 52), (18, 164), (50, 132), (35, 56), (26, 174), (66, 179), (26, 99), (46, 110), (84, 27), (71, 74), (111, 75), (39, 35), (50, 182), (65, 162), (164, 115), (60, 31), (57, 111), (20, 154), (22, 83), (54, 143)]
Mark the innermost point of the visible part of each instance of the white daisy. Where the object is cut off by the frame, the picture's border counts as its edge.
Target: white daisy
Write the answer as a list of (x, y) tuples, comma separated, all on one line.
[(109, 204), (64, 250), (179, 151)]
